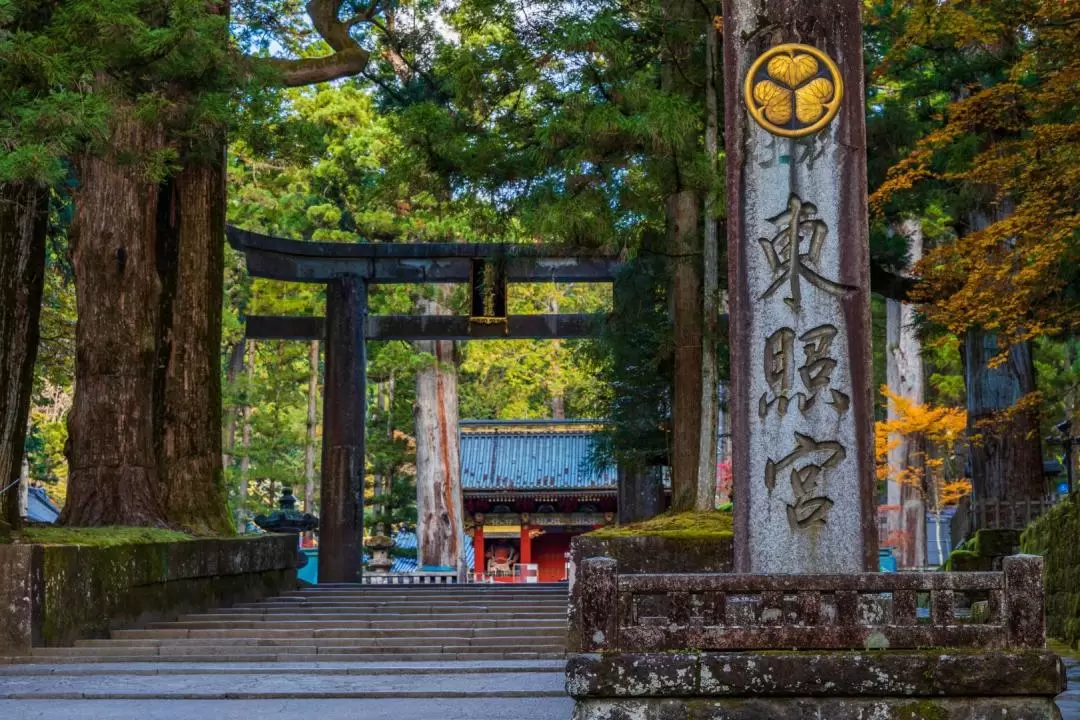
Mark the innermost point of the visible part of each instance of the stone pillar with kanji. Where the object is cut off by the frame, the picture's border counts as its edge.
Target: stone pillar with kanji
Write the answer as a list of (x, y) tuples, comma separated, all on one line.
[(799, 287)]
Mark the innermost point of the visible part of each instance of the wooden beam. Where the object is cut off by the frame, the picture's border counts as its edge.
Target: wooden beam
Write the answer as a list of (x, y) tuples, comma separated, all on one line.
[(283, 327), (383, 263), (433, 327)]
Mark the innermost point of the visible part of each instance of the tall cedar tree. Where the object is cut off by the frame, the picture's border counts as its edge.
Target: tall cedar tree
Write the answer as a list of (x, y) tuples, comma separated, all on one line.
[(145, 444), (1001, 158)]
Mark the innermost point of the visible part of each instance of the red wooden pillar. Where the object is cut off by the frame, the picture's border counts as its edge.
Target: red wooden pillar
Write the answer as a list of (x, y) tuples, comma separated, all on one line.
[(478, 548), (526, 544)]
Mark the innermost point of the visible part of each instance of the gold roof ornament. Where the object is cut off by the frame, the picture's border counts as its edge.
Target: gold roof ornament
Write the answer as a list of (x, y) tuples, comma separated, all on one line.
[(793, 90)]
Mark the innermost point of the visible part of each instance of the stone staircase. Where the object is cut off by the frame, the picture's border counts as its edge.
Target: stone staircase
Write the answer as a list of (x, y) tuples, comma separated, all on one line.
[(348, 623)]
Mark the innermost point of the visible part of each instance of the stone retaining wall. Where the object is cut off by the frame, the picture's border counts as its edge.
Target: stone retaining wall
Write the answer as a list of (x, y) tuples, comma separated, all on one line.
[(1054, 537), (52, 595)]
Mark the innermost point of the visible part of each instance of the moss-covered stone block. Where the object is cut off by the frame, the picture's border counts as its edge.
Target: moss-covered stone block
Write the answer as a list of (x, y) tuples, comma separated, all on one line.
[(984, 551), (931, 684), (70, 592), (1054, 537)]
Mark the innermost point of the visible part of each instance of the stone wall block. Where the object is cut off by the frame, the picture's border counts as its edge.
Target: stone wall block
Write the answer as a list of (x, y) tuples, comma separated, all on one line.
[(1025, 611), (597, 591), (21, 586), (53, 595)]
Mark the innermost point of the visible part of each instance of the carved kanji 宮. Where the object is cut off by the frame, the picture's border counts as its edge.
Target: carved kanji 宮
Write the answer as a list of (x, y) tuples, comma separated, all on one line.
[(810, 505)]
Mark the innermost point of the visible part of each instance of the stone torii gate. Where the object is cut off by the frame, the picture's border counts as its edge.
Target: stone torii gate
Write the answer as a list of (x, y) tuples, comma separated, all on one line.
[(347, 270)]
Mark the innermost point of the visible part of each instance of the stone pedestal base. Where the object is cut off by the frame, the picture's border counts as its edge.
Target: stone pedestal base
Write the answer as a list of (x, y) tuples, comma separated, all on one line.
[(818, 708), (842, 685)]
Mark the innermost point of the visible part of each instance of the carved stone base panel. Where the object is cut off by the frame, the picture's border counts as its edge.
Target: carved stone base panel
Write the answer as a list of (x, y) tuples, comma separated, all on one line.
[(897, 674), (814, 708)]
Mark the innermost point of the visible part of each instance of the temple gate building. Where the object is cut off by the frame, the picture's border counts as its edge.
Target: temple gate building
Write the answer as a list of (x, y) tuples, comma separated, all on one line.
[(530, 486)]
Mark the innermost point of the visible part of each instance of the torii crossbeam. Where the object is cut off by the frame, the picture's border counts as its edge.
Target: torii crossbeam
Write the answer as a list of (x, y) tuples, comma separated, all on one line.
[(347, 269)]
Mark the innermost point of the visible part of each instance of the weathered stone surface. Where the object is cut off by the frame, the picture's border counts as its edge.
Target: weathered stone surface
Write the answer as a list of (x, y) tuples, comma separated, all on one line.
[(817, 708), (20, 594), (807, 674), (1044, 537), (628, 675), (62, 593), (798, 257), (647, 554)]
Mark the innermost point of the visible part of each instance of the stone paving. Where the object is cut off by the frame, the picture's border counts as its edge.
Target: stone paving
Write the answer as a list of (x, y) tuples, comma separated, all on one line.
[(1069, 701), (443, 709)]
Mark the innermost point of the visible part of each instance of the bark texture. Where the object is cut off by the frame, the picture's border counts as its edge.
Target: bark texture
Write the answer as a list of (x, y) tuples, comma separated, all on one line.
[(684, 241), (904, 376), (189, 369), (234, 367), (1006, 451), (438, 456), (23, 215), (312, 424), (1006, 448), (710, 262), (113, 475)]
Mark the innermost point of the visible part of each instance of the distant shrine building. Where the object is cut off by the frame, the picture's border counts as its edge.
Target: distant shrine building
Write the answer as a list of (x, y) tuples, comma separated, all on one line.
[(529, 487)]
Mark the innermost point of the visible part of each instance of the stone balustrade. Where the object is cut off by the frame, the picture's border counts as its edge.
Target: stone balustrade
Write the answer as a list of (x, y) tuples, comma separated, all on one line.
[(413, 578), (729, 612)]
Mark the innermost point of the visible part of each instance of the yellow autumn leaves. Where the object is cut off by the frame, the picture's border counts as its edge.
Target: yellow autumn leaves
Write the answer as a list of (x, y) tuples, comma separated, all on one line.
[(792, 87)]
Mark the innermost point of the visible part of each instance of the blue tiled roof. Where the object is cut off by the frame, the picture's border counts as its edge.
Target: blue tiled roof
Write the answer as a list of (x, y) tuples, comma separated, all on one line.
[(406, 540), (531, 456), (39, 508)]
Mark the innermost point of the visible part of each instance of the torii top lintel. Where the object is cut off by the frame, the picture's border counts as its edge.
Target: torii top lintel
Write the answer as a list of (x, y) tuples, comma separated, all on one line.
[(301, 261)]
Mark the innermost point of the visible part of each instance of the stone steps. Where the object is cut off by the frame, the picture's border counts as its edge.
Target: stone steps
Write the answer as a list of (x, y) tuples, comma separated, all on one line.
[(466, 622), (346, 624), (558, 630), (421, 655), (335, 615), (510, 641), (173, 650)]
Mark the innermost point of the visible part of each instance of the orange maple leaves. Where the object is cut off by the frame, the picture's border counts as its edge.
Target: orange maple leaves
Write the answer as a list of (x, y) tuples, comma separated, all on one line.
[(934, 435), (1009, 277)]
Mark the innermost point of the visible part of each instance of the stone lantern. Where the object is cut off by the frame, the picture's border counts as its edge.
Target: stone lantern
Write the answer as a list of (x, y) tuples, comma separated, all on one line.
[(379, 546), (287, 519)]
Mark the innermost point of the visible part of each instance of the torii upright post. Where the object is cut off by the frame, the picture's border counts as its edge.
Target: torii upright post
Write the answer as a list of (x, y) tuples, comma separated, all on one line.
[(345, 393), (799, 268)]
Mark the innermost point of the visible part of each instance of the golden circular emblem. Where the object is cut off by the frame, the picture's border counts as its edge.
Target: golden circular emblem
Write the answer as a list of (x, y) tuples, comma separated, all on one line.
[(793, 90)]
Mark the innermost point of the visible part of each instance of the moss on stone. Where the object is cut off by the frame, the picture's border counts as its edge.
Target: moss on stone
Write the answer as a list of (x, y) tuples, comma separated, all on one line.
[(1053, 536), (683, 526), (983, 550), (111, 536)]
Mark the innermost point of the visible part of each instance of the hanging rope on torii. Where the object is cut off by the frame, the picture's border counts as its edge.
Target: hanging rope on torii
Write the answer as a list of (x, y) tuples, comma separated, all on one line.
[(347, 270)]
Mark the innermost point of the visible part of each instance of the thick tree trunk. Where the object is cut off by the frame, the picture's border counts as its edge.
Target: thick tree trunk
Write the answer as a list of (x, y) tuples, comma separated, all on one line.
[(189, 349), (234, 367), (707, 448), (113, 472), (312, 424), (23, 218), (556, 385), (438, 459), (245, 459), (904, 375), (1006, 452), (684, 241)]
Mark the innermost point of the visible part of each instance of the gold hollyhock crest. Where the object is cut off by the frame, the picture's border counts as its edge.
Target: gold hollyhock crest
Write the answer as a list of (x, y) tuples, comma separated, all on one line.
[(793, 90)]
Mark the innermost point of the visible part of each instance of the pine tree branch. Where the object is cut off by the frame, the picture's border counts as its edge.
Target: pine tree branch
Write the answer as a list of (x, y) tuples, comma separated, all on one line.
[(348, 58)]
